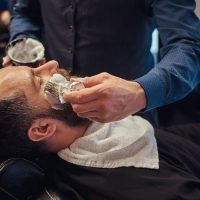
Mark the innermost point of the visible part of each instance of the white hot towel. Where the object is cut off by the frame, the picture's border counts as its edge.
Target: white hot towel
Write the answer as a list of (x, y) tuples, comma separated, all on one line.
[(125, 143)]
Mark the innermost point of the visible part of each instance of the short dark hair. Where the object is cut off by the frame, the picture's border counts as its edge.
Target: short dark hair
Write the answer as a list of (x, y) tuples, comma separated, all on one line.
[(14, 122), (16, 116)]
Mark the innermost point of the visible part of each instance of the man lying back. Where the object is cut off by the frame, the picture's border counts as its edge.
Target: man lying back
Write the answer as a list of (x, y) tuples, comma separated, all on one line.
[(116, 160)]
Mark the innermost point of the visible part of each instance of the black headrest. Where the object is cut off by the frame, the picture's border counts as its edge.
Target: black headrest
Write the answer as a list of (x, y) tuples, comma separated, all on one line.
[(20, 179)]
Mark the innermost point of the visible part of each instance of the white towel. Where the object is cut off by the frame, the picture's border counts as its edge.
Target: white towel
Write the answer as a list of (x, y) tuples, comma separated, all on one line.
[(125, 143)]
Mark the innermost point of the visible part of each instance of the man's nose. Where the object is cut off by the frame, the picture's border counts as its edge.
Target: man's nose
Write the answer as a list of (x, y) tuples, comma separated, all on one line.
[(48, 68)]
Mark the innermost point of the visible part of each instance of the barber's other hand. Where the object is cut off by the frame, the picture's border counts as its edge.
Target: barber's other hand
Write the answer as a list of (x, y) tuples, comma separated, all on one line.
[(107, 98), (6, 62)]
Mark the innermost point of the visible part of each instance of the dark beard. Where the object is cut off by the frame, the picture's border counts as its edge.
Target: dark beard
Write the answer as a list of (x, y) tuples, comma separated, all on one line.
[(68, 116)]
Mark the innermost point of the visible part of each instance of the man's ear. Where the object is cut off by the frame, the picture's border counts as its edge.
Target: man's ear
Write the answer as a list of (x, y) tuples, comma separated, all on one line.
[(41, 129)]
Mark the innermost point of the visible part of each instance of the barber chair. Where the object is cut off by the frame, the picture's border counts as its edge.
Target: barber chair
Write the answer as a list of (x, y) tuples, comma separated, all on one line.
[(22, 179)]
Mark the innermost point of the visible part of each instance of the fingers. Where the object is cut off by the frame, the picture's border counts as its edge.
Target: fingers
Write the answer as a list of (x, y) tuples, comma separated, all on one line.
[(6, 61), (107, 98), (96, 79), (82, 96), (83, 109), (94, 116), (92, 91), (99, 116), (99, 110)]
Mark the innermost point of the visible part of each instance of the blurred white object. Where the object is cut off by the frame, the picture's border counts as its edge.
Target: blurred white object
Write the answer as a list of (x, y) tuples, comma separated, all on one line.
[(25, 51), (155, 45)]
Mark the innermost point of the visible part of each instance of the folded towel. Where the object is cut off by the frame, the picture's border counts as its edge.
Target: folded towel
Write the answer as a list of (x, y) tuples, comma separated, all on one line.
[(125, 143)]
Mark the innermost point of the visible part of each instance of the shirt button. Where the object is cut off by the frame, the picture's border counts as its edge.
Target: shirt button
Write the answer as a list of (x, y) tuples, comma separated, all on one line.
[(71, 28), (70, 51)]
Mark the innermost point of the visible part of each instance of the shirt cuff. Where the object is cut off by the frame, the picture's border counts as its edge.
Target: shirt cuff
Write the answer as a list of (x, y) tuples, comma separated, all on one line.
[(154, 90)]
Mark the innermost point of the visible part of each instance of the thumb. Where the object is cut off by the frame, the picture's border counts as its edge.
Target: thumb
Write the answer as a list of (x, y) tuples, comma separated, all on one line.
[(92, 80), (6, 61), (95, 80), (87, 81)]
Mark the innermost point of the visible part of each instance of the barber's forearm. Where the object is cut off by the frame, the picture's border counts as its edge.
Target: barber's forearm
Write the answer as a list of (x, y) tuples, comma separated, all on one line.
[(179, 69), (173, 78)]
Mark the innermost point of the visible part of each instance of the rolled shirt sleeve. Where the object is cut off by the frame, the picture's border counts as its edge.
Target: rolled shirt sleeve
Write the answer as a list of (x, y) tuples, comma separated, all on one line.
[(178, 71)]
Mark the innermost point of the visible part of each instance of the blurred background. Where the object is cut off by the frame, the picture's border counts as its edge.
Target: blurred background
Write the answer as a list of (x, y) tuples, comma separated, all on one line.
[(198, 7), (4, 26)]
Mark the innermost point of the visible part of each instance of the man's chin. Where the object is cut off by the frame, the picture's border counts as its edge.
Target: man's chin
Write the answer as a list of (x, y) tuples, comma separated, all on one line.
[(68, 116)]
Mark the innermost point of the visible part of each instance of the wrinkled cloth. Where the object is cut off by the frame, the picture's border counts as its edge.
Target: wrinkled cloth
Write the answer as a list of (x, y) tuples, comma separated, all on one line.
[(125, 143)]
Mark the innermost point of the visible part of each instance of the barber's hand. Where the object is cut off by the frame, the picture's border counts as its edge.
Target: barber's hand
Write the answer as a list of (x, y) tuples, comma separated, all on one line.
[(6, 62), (107, 98)]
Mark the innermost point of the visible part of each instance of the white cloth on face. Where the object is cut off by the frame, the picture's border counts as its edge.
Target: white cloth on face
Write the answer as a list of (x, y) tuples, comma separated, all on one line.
[(125, 143)]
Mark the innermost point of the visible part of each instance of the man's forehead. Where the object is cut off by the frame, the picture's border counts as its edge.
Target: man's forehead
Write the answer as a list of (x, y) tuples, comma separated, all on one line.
[(9, 73), (11, 79), (10, 69)]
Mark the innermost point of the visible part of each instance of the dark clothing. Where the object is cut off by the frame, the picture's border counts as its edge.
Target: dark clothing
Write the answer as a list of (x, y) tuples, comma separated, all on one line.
[(4, 38), (184, 111), (90, 36), (3, 5), (177, 178)]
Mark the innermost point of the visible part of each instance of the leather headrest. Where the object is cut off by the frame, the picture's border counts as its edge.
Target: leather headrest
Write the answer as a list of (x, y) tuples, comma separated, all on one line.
[(21, 179)]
